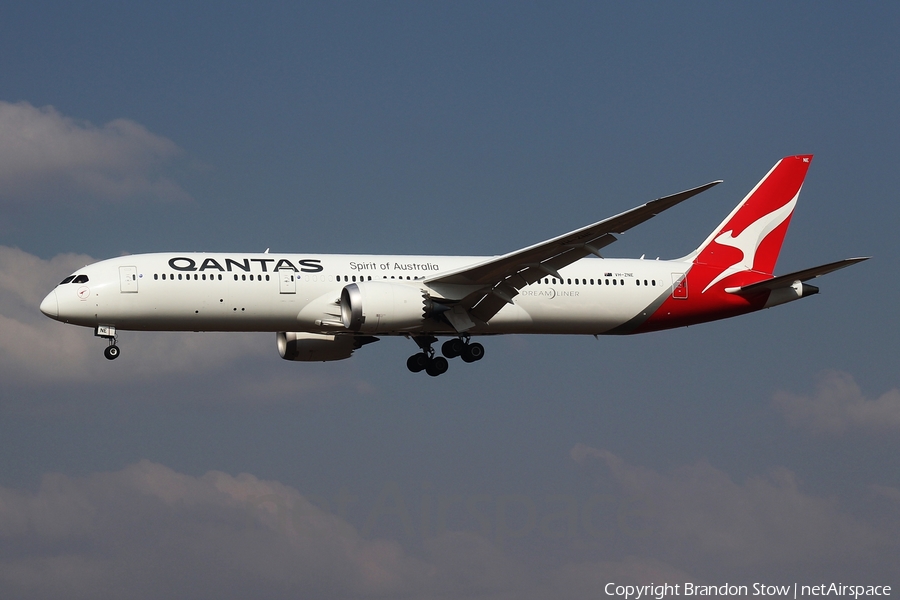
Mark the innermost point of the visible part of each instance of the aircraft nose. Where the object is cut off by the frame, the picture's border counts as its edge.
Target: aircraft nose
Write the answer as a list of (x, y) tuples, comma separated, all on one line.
[(50, 305)]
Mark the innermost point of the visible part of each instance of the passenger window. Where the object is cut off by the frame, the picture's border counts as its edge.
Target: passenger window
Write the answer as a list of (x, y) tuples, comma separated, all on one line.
[(614, 282), (592, 282), (235, 277), (156, 276), (179, 277), (267, 277), (621, 282), (653, 282), (243, 278)]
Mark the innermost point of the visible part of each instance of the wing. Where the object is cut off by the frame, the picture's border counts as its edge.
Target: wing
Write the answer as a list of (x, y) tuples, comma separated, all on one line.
[(484, 288)]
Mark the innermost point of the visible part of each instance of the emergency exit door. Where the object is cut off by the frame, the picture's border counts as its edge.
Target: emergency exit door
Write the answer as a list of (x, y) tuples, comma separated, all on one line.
[(679, 286), (128, 281), (287, 281)]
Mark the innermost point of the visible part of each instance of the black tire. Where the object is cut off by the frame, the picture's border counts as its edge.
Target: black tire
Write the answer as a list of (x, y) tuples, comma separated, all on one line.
[(111, 352), (437, 366), (473, 352), (453, 348), (417, 362)]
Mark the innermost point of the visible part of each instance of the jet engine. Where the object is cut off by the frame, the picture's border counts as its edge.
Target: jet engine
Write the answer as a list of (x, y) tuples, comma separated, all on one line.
[(383, 307), (318, 347)]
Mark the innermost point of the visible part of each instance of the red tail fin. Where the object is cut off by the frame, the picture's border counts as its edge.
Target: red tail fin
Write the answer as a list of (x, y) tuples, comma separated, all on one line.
[(751, 237)]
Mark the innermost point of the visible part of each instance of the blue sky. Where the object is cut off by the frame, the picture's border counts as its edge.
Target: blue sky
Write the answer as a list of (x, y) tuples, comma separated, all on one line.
[(761, 448)]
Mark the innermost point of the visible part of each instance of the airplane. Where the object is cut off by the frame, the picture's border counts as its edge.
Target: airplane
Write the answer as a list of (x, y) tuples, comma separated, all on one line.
[(324, 307)]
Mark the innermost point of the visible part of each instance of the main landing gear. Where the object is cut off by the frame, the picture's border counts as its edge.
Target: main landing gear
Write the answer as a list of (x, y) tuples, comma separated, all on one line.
[(111, 352), (427, 361)]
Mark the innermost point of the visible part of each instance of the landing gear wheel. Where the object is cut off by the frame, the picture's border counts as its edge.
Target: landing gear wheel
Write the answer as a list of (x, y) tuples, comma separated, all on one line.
[(417, 362), (111, 352), (437, 366), (473, 352), (453, 348)]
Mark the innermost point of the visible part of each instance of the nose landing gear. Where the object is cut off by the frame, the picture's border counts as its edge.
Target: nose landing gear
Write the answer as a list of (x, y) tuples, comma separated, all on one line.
[(111, 352)]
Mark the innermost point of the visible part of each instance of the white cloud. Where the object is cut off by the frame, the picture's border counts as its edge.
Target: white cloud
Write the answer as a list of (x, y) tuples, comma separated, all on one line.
[(697, 516), (47, 157), (149, 532), (838, 406)]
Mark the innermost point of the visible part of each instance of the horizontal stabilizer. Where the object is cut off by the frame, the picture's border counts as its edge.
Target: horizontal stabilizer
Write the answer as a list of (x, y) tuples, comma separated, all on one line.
[(804, 275)]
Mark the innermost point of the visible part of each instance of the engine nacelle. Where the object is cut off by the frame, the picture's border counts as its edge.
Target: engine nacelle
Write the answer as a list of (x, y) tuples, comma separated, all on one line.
[(383, 307), (314, 346)]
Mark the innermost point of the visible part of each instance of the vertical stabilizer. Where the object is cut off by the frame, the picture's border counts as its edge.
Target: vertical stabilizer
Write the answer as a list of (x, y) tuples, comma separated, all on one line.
[(750, 238)]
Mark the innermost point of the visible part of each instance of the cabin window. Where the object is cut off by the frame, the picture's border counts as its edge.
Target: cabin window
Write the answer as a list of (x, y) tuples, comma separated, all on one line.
[(156, 276), (243, 278), (179, 277), (638, 281), (653, 281), (235, 277)]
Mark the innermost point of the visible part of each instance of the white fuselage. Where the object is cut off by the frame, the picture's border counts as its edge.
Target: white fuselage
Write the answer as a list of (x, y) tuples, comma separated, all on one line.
[(290, 292)]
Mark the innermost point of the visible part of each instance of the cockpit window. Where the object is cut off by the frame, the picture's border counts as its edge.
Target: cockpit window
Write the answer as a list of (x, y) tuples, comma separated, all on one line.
[(80, 279), (67, 280)]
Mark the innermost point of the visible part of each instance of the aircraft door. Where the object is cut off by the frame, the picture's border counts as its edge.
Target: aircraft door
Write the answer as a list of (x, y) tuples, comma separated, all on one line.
[(679, 286), (287, 281), (128, 283)]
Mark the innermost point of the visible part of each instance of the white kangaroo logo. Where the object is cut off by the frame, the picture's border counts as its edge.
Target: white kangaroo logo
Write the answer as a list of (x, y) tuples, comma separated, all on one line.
[(749, 239)]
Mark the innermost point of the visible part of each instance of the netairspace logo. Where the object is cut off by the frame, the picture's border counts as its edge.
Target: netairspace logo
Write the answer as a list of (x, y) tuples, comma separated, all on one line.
[(660, 591)]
